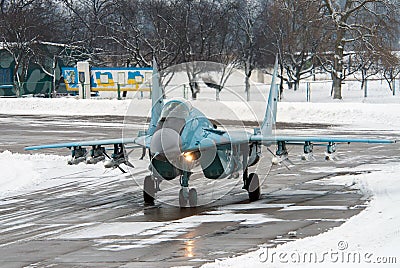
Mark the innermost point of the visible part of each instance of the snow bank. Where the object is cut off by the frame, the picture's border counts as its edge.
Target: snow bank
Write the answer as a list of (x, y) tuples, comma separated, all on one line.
[(369, 237), (23, 173), (13, 177), (70, 106), (18, 172), (366, 115)]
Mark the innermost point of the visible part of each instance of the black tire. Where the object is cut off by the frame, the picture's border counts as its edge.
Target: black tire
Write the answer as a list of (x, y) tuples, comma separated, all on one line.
[(149, 190), (192, 198), (254, 187), (182, 199)]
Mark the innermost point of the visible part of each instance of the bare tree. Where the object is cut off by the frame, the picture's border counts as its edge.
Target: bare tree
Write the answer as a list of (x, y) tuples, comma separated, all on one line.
[(296, 28), (353, 22), (22, 28), (390, 68), (86, 25), (248, 25)]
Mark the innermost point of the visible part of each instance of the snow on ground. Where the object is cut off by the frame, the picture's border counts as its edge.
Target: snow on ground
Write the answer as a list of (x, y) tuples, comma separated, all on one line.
[(361, 115), (13, 178), (373, 233), (371, 237), (22, 173)]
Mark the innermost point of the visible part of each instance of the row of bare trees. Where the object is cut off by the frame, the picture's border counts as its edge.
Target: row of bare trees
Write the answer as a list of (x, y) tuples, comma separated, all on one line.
[(341, 37)]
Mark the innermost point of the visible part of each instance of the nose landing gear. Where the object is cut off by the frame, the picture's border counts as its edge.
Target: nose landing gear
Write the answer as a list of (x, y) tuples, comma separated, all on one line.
[(186, 195)]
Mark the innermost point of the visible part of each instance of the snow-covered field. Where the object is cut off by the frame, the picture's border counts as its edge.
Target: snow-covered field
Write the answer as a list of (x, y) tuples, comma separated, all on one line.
[(371, 236), (21, 173), (365, 115)]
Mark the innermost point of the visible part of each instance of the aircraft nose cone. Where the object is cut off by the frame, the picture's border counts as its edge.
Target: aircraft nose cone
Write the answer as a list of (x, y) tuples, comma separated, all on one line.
[(166, 142)]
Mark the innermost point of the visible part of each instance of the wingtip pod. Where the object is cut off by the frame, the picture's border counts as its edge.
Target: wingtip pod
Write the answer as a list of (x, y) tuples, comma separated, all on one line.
[(271, 110)]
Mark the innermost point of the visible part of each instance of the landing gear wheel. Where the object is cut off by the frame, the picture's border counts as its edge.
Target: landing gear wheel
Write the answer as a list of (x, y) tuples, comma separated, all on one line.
[(192, 198), (254, 187), (182, 199), (149, 190)]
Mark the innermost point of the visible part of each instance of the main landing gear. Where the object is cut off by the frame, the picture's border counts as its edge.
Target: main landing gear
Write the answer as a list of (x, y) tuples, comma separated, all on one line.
[(149, 190), (252, 185), (186, 195)]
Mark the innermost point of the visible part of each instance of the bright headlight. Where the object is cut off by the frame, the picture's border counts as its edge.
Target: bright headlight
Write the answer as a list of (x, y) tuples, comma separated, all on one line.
[(188, 156)]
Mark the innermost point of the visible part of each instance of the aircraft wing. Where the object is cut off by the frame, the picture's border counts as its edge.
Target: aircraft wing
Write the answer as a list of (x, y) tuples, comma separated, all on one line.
[(299, 139), (84, 143), (217, 138), (143, 141)]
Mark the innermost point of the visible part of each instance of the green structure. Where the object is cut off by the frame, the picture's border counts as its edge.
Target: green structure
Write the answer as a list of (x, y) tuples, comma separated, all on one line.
[(36, 81)]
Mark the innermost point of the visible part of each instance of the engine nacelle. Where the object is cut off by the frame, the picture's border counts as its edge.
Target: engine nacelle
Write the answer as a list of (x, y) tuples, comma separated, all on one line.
[(222, 166), (165, 169)]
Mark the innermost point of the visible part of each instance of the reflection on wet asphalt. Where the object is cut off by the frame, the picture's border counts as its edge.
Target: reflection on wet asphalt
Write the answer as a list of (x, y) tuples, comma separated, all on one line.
[(96, 219)]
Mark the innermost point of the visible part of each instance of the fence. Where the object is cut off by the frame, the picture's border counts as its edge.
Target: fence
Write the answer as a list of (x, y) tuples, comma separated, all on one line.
[(318, 91), (315, 91)]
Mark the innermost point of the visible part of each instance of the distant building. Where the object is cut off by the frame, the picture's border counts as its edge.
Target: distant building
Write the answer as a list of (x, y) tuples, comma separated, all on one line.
[(40, 78)]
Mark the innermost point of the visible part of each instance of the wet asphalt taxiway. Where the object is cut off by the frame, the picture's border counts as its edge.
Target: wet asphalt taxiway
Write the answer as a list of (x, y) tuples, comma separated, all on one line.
[(100, 221)]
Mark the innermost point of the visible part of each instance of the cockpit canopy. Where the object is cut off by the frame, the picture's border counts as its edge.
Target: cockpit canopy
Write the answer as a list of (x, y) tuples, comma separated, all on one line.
[(174, 115), (176, 109)]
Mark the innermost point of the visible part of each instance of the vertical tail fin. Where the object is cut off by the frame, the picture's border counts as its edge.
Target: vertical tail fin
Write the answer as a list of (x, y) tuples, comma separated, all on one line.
[(270, 113), (156, 99)]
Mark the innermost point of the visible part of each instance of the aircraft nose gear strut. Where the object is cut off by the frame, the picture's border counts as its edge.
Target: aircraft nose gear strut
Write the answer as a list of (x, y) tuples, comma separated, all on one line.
[(185, 194)]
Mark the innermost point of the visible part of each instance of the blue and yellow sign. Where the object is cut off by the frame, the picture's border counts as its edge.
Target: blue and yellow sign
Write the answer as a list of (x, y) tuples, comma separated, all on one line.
[(108, 79)]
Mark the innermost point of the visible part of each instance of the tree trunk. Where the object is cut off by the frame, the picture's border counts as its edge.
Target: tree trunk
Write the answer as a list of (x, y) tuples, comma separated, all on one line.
[(247, 87), (337, 87), (17, 85), (281, 83), (290, 84), (363, 75), (248, 69), (296, 85), (53, 85), (337, 70), (194, 88)]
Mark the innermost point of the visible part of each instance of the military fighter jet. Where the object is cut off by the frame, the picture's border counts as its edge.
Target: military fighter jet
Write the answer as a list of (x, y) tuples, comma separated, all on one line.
[(180, 138)]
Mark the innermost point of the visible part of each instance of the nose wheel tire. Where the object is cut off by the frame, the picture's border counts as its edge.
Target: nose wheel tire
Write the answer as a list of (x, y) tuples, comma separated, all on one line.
[(149, 190), (192, 198), (254, 187), (185, 197), (182, 198)]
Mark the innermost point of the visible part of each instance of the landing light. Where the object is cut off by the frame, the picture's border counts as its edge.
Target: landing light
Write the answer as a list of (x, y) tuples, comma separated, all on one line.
[(189, 156)]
